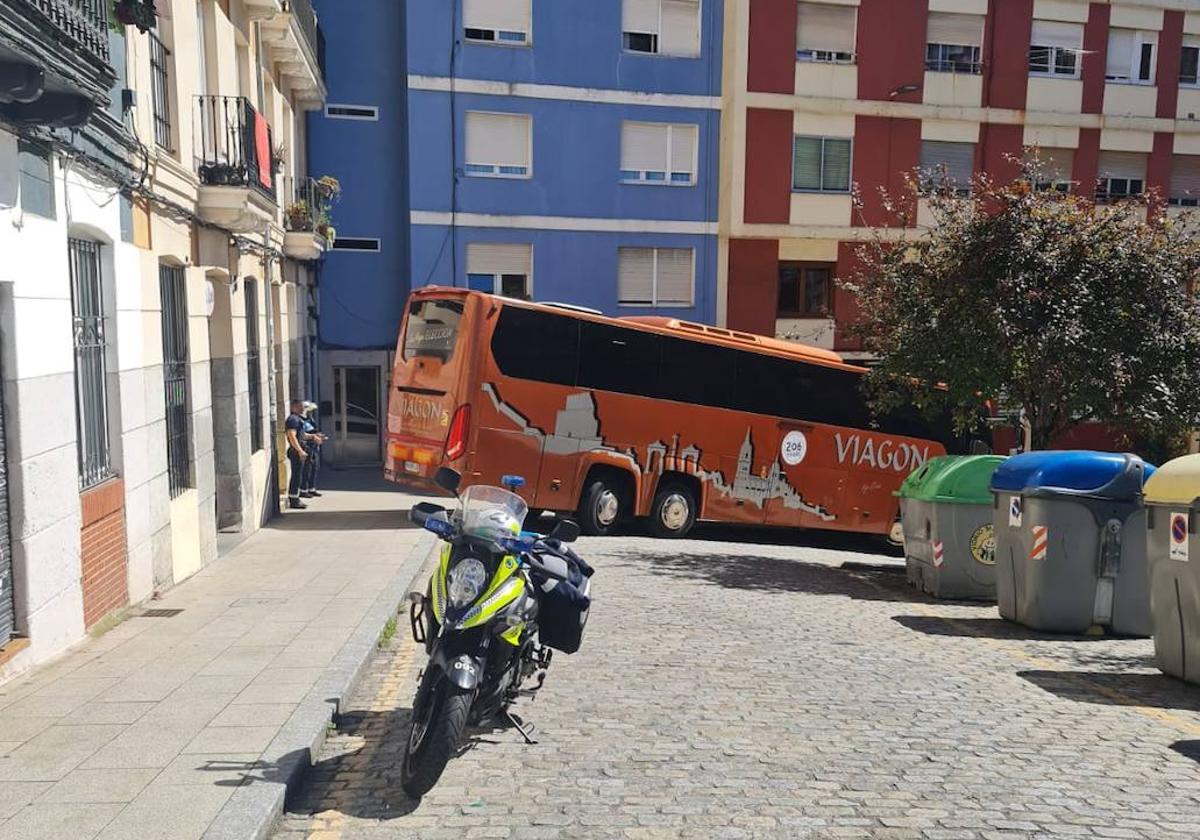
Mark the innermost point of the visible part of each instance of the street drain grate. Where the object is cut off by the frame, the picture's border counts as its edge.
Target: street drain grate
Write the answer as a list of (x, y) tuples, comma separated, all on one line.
[(160, 613)]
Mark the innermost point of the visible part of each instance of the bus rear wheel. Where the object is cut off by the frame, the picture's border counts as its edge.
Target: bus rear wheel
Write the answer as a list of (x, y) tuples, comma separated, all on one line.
[(602, 507), (674, 511)]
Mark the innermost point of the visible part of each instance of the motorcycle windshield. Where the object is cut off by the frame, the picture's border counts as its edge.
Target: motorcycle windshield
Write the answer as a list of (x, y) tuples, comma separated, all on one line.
[(491, 513)]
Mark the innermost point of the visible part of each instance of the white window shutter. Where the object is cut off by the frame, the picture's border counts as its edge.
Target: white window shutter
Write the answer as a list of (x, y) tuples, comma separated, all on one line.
[(499, 258), (508, 15), (680, 33), (1053, 33), (497, 139), (674, 287), (1185, 177), (644, 147), (639, 16), (825, 28), (1122, 165), (958, 159), (1120, 53), (683, 148), (1058, 163), (961, 30), (635, 275)]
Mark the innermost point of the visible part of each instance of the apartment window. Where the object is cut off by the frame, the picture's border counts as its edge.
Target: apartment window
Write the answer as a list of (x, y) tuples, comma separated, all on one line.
[(658, 153), (1189, 63), (805, 290), (173, 290), (661, 27), (160, 84), (1131, 56), (953, 43), (497, 21), (253, 368), (656, 277), (500, 268), (498, 145), (1054, 48), (1122, 175), (825, 33), (955, 161), (1185, 181), (91, 367), (1055, 170), (37, 181), (820, 164)]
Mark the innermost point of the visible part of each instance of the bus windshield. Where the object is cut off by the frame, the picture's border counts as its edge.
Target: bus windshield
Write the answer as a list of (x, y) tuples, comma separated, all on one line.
[(432, 330)]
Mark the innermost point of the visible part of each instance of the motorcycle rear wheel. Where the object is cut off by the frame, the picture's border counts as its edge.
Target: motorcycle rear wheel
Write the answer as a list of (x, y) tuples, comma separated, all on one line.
[(435, 735)]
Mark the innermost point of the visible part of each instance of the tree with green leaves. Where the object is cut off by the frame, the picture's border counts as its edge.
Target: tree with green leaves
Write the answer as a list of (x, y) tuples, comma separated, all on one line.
[(1038, 301)]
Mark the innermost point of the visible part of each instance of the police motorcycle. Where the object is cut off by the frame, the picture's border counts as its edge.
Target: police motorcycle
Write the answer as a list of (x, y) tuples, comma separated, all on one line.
[(500, 600)]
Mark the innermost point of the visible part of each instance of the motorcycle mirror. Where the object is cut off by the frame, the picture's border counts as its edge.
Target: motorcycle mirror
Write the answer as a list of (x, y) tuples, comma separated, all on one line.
[(448, 479), (423, 511), (565, 530)]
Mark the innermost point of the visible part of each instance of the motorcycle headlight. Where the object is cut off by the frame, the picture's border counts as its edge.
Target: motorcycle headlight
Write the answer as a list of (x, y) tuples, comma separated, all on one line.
[(467, 580)]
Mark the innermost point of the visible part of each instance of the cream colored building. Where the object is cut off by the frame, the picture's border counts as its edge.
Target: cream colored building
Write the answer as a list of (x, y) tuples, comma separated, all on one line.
[(205, 313)]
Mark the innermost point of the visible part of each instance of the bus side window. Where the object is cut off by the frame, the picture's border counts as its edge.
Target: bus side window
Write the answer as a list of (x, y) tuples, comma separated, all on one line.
[(528, 344), (698, 373), (616, 359)]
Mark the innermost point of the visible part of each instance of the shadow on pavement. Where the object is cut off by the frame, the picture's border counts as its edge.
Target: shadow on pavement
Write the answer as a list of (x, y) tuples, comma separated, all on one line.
[(983, 628), (341, 520), (775, 574), (1156, 691), (1188, 749)]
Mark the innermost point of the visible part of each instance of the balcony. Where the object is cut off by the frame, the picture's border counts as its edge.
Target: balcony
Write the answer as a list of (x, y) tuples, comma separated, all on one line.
[(306, 218), (294, 43), (54, 60), (237, 177)]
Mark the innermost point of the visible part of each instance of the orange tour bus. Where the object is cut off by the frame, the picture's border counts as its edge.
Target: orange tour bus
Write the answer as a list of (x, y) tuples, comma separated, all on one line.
[(616, 418)]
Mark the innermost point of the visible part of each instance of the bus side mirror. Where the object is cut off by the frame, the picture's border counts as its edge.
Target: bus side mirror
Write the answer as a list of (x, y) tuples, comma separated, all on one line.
[(447, 479), (565, 530)]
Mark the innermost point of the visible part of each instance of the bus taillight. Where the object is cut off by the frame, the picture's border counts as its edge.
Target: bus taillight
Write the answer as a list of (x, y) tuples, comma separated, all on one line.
[(456, 441)]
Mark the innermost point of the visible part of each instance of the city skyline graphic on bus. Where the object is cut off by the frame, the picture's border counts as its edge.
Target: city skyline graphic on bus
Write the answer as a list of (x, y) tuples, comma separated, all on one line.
[(577, 430)]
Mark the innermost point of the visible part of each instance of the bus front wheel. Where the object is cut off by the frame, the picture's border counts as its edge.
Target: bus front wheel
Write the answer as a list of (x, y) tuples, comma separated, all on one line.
[(674, 511), (602, 508)]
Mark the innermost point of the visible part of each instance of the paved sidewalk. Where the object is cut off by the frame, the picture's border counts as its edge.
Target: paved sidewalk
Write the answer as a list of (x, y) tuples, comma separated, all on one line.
[(192, 724)]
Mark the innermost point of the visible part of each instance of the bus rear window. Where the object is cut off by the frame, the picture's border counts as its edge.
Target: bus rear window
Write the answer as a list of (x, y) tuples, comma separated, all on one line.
[(432, 329)]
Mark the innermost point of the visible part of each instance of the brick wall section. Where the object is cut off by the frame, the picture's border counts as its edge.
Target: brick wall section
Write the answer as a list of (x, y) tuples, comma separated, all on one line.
[(890, 48), (1085, 167), (1158, 171), (753, 285), (771, 59), (1170, 55), (1005, 70), (885, 151), (1095, 55), (103, 556), (768, 166)]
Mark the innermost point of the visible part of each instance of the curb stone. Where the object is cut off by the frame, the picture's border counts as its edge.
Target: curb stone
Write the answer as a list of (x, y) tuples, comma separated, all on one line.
[(251, 813)]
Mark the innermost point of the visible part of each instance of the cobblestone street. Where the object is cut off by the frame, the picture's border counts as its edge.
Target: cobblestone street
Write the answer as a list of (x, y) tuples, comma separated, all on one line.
[(742, 690)]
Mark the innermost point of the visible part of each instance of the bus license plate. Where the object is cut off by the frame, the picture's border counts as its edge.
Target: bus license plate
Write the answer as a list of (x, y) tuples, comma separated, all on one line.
[(412, 467)]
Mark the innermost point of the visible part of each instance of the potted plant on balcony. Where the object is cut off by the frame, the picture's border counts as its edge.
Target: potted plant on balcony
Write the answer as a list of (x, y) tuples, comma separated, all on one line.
[(299, 216), (325, 229), (139, 13), (329, 189)]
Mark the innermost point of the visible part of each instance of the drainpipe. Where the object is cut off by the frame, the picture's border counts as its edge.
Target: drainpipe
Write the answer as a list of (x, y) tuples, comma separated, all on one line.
[(273, 474)]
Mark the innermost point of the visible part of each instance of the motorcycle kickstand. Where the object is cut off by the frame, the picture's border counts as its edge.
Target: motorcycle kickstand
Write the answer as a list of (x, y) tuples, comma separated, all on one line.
[(526, 730)]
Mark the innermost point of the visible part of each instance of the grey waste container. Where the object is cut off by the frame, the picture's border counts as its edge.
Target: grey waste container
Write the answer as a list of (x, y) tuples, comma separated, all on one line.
[(946, 514), (1070, 542), (1173, 549)]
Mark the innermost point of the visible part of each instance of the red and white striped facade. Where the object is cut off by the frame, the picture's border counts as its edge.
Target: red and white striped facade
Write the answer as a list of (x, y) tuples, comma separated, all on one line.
[(885, 101)]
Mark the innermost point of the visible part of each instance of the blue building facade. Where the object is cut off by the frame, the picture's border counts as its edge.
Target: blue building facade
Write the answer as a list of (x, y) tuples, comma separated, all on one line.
[(567, 151), (361, 138)]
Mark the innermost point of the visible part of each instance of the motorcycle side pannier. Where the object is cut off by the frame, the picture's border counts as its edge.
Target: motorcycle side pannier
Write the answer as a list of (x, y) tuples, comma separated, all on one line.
[(563, 612)]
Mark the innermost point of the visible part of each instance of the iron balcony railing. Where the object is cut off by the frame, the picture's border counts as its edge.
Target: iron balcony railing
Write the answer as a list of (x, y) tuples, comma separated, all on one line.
[(307, 19), (83, 21), (234, 146)]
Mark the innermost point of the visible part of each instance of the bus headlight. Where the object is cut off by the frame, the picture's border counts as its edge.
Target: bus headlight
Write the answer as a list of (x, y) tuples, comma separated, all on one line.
[(467, 580)]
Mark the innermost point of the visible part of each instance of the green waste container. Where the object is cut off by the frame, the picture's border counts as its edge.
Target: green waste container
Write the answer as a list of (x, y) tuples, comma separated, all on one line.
[(949, 538), (1172, 497)]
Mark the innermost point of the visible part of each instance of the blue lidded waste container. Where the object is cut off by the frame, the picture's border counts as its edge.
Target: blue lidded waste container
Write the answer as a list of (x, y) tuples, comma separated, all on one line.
[(1070, 542)]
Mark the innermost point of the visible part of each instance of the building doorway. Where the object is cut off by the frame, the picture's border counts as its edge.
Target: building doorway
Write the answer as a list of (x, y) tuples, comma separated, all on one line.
[(357, 418)]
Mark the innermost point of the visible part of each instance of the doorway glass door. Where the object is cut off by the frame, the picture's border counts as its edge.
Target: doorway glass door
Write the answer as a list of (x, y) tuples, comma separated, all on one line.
[(356, 415)]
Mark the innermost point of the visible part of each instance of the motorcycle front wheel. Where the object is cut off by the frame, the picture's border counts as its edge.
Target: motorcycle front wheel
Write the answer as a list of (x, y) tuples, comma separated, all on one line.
[(436, 730)]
